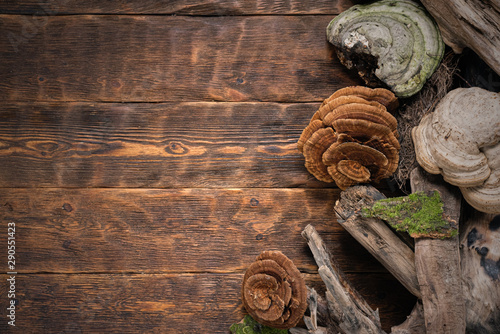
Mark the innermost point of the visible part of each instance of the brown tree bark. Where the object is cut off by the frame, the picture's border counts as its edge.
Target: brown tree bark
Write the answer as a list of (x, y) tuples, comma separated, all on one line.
[(474, 24)]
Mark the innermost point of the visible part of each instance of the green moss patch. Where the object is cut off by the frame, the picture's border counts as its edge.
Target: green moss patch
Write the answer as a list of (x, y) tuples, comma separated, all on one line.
[(250, 326), (418, 214)]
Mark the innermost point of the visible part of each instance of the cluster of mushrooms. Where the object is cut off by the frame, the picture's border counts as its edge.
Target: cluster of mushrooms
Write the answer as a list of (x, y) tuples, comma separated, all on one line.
[(461, 141), (352, 138), (274, 292)]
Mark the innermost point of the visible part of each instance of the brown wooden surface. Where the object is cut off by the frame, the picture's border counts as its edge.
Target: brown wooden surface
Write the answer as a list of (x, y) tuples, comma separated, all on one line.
[(147, 158), (168, 58), (179, 7), (154, 145)]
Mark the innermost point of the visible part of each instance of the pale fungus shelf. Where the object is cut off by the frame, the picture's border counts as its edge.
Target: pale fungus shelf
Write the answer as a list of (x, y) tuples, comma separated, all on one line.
[(461, 141), (274, 292), (392, 43), (352, 138)]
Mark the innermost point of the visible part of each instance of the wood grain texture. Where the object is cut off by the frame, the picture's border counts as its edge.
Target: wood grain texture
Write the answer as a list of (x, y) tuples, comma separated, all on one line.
[(194, 189), (155, 303), (153, 145), (178, 7), (168, 58), (170, 231)]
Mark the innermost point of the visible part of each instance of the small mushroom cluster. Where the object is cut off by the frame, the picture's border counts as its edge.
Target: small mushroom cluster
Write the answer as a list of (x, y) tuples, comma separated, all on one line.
[(352, 138), (274, 292)]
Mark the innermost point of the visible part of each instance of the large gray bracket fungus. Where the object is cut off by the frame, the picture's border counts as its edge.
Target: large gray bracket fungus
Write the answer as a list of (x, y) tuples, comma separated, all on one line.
[(391, 42), (461, 141)]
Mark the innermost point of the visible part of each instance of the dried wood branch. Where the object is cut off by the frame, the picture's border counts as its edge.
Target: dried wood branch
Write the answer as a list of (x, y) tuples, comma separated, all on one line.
[(474, 24), (394, 254), (346, 307)]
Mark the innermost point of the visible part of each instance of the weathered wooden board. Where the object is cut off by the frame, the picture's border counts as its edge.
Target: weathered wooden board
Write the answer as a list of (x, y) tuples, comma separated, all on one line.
[(194, 189), (155, 303), (153, 145), (170, 231), (178, 7), (168, 58)]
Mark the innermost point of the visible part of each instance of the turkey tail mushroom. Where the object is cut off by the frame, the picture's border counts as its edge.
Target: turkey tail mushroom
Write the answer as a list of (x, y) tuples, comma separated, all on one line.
[(392, 43), (461, 141), (352, 138), (274, 292)]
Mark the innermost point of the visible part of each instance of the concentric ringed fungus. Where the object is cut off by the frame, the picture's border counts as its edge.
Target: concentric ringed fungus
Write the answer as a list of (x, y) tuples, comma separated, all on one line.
[(390, 42), (461, 141), (352, 138), (274, 292)]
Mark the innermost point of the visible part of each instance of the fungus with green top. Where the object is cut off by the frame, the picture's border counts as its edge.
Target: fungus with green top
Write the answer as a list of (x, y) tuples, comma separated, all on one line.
[(389, 42)]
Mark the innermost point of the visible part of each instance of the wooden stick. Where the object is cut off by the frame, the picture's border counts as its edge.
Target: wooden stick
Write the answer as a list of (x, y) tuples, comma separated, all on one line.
[(346, 307), (396, 256)]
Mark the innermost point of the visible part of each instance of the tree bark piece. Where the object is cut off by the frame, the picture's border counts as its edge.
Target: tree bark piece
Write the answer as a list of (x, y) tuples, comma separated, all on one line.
[(394, 254), (437, 263), (346, 307), (474, 24), (480, 260)]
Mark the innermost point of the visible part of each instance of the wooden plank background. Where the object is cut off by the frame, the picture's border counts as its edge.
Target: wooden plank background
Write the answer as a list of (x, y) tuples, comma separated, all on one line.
[(147, 156)]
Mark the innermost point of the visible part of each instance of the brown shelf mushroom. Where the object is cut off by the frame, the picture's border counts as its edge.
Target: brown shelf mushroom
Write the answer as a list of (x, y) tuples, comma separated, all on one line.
[(352, 138), (461, 141), (274, 292)]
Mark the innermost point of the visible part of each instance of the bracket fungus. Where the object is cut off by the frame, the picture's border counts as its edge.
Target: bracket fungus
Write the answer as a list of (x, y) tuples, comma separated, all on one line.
[(274, 292), (395, 43), (352, 138), (461, 141)]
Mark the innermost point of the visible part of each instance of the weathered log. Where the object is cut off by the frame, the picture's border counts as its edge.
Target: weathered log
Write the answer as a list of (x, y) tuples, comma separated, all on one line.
[(437, 262), (394, 254), (434, 226), (474, 24), (458, 276)]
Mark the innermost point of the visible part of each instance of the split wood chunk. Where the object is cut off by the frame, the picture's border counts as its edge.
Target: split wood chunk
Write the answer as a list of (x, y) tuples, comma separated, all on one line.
[(274, 292), (352, 138), (474, 24), (437, 262), (461, 141), (392, 43)]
